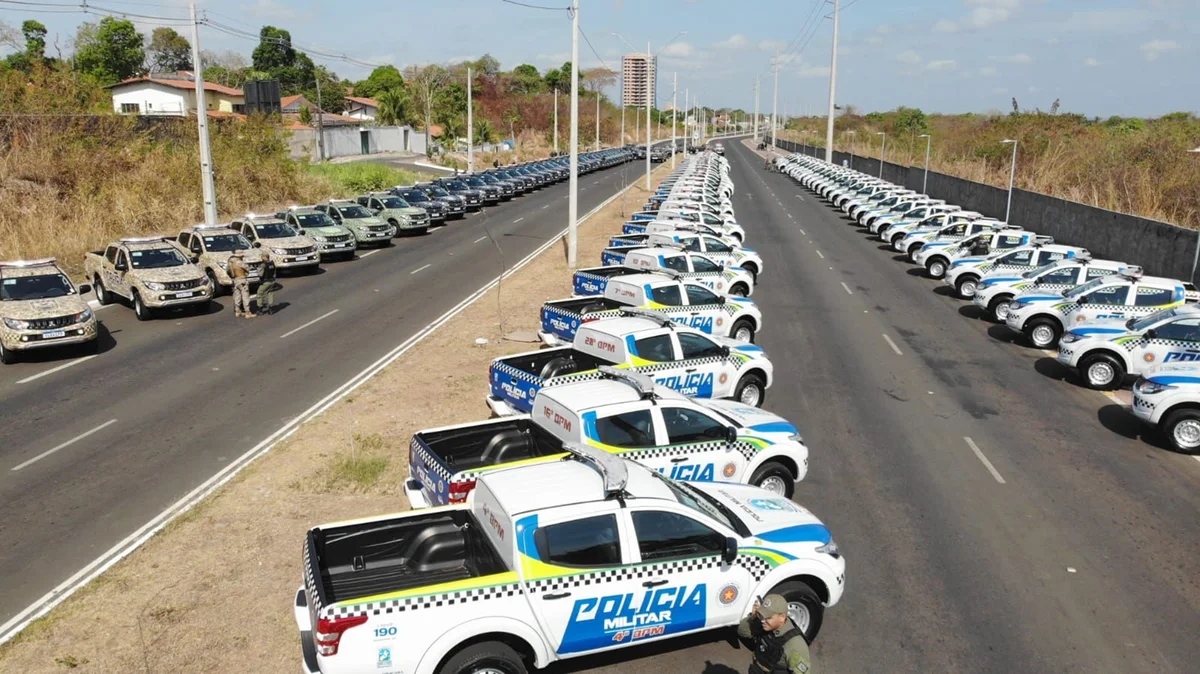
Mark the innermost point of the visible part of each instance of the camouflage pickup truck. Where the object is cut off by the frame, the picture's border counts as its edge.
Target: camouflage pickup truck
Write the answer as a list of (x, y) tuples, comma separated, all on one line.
[(150, 273), (288, 248), (406, 218), (333, 240), (212, 245), (367, 228), (41, 308)]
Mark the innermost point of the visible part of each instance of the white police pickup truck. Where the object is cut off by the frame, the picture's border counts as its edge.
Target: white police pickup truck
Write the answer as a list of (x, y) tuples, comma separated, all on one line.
[(662, 295), (553, 561), (943, 228), (691, 267), (1043, 316), (1104, 353), (910, 215), (626, 414), (713, 248), (997, 288), (965, 272), (1168, 397), (678, 357), (644, 227), (937, 258)]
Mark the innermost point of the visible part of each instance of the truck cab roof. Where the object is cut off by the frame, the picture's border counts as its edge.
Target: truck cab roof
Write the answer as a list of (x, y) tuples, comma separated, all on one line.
[(543, 486)]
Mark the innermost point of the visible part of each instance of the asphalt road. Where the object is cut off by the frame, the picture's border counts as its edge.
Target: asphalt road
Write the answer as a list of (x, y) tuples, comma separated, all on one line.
[(1073, 548), (169, 403)]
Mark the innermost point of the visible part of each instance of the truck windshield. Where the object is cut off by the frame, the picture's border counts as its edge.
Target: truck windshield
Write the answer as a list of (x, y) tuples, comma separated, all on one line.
[(40, 287), (1085, 288), (697, 501), (155, 258), (475, 182), (438, 192), (274, 230), (1139, 324), (314, 220), (355, 212), (454, 185), (394, 202), (416, 196), (224, 243), (1034, 273)]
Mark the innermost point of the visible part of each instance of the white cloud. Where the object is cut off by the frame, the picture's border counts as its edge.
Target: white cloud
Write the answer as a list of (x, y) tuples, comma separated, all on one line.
[(987, 71), (908, 56), (272, 10), (873, 39), (1154, 48), (679, 49), (771, 45), (945, 26), (735, 41), (1015, 58), (1052, 40), (557, 58), (883, 29), (947, 64), (1091, 62), (985, 13)]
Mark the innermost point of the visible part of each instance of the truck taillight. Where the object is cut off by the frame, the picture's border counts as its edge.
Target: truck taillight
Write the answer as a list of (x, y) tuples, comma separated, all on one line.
[(459, 491), (329, 632)]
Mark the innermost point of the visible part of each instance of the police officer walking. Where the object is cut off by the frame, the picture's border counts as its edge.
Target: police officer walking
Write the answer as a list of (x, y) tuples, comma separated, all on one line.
[(267, 287), (779, 645), (240, 274)]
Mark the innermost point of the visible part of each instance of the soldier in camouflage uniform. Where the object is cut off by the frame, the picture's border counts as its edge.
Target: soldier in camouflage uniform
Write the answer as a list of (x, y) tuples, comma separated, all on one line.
[(779, 645), (240, 273)]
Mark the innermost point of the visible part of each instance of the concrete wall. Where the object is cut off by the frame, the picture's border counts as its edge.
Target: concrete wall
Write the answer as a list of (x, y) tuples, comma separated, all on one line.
[(1162, 249), (341, 141), (153, 99)]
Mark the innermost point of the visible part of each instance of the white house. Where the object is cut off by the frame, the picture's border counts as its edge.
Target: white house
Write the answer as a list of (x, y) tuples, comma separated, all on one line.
[(362, 108), (172, 94)]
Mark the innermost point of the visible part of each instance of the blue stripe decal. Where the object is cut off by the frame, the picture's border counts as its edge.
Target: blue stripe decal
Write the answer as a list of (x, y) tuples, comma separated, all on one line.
[(631, 345), (589, 426), (1097, 331), (1175, 380), (803, 533), (774, 427), (526, 527)]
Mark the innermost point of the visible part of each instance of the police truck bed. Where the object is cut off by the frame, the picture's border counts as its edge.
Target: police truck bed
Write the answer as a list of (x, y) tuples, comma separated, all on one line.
[(473, 447)]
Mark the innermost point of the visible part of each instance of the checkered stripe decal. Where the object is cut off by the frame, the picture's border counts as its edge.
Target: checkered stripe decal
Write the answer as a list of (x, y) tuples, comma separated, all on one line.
[(757, 566), (428, 601), (741, 447), (310, 583), (430, 461), (515, 373), (1141, 402)]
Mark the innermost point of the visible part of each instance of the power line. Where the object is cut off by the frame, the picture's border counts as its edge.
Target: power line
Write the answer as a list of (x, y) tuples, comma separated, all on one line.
[(525, 4), (594, 52)]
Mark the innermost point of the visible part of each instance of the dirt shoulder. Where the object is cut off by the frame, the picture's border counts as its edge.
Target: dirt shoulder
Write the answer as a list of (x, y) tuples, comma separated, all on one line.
[(213, 591)]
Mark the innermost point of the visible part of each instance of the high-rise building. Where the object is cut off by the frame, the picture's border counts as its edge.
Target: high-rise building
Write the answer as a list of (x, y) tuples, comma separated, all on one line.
[(639, 80)]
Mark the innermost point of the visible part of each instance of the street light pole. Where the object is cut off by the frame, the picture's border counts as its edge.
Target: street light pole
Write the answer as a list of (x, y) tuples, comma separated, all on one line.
[(208, 189), (649, 55), (555, 123), (756, 78), (674, 112), (852, 134), (470, 129), (775, 109), (925, 181), (573, 202), (1012, 176), (882, 150), (832, 85), (597, 121)]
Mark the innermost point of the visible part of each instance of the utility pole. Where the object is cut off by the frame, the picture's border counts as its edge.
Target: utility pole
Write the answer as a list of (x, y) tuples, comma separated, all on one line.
[(207, 189), (597, 121), (756, 77), (321, 125), (649, 55), (555, 122), (470, 128), (573, 201), (775, 107), (832, 85), (674, 112)]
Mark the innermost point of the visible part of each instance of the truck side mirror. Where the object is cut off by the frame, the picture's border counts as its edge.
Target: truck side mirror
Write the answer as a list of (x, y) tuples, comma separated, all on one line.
[(730, 434), (194, 259), (258, 244), (730, 552), (120, 266), (1082, 300), (1150, 334), (721, 299), (85, 289)]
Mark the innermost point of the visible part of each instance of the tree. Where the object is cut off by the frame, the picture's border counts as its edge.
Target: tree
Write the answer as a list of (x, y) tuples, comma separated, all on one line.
[(169, 51), (9, 36), (912, 120), (525, 79), (392, 104), (32, 37), (306, 115), (35, 39), (333, 91), (597, 79), (487, 66), (381, 79), (110, 51), (484, 133), (424, 82), (295, 71)]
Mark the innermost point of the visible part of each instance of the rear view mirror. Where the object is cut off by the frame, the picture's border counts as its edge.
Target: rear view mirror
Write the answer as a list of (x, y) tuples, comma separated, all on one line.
[(731, 434), (1082, 300), (120, 266), (258, 244), (721, 299), (1150, 334), (730, 552)]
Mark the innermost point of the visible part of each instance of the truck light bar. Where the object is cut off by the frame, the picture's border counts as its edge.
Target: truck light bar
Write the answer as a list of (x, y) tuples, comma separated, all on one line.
[(1132, 271), (19, 264), (642, 383), (610, 467), (1042, 240), (669, 273), (635, 312), (199, 228), (1084, 255), (145, 239)]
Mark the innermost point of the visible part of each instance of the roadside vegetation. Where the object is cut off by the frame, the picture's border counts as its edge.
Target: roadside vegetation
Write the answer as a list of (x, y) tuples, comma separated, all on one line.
[(1139, 166)]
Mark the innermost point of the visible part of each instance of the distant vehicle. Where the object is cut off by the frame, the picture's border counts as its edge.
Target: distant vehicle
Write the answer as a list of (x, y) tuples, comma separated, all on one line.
[(212, 245), (152, 273), (404, 217), (41, 308), (288, 248), (368, 229), (418, 198)]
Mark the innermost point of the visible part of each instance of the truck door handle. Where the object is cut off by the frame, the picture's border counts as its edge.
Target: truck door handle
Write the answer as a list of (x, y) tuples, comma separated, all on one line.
[(679, 459), (691, 369), (654, 583), (695, 313), (560, 595)]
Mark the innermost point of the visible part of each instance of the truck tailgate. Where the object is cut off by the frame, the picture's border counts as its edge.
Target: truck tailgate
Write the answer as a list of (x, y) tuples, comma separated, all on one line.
[(634, 227), (624, 240), (513, 385), (593, 280), (611, 257), (562, 318)]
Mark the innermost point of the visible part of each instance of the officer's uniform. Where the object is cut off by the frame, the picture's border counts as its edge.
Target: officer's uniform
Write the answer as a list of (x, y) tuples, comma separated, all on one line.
[(783, 651), (240, 274), (267, 287)]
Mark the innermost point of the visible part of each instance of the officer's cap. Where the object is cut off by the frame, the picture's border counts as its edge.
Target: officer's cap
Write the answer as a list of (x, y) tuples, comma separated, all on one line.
[(772, 605)]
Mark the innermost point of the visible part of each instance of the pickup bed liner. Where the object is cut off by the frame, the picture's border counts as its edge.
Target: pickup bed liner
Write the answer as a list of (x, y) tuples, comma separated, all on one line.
[(473, 447), (555, 362)]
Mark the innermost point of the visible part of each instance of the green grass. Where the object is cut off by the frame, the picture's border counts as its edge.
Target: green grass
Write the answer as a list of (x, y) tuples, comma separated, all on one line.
[(360, 177), (360, 469)]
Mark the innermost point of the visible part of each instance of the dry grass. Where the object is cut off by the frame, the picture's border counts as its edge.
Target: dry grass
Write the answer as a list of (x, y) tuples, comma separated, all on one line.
[(212, 592)]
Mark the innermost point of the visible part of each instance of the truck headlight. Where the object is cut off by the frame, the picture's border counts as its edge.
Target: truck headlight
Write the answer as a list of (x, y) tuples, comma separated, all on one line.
[(830, 549), (16, 324), (279, 251), (318, 238), (153, 285), (83, 316), (795, 437), (223, 265), (1070, 338), (1017, 304), (1143, 386)]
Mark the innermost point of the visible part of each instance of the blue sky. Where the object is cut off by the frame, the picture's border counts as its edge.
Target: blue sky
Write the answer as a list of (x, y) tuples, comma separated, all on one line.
[(1100, 57)]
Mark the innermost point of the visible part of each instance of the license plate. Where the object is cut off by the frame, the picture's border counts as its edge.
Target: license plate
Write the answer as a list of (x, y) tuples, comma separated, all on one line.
[(340, 245), (54, 333), (302, 258), (182, 295)]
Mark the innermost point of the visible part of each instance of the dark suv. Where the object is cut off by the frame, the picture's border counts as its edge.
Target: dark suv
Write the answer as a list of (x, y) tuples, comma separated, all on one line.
[(455, 206), (472, 198), (417, 197), (491, 193)]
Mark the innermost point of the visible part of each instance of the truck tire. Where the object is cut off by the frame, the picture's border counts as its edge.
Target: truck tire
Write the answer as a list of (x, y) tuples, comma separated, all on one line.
[(1182, 428), (743, 330), (1043, 333), (7, 356), (912, 251), (739, 290), (1101, 371), (753, 269), (935, 267), (140, 309), (776, 479), (999, 307), (751, 390), (966, 286), (804, 606), (489, 656), (102, 295), (218, 289)]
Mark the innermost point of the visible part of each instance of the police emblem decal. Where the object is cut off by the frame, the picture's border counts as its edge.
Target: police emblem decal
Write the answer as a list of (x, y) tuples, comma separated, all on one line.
[(1148, 357), (729, 470), (728, 594)]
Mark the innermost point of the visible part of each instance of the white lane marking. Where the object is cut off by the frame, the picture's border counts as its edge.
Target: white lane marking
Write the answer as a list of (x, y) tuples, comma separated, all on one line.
[(800, 197), (479, 239), (417, 270), (848, 291), (988, 464), (820, 255), (790, 216), (318, 318), (517, 220), (68, 443), (369, 253), (70, 363), (545, 207), (135, 540), (1196, 458), (804, 232), (893, 345)]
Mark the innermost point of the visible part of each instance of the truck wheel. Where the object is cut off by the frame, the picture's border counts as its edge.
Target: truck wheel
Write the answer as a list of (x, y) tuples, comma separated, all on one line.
[(912, 251), (7, 356), (753, 271), (218, 289), (489, 657), (743, 331), (751, 390), (739, 290), (1043, 332), (1182, 428), (1101, 371), (804, 606), (966, 286), (936, 268), (999, 307), (139, 308), (101, 292), (776, 479)]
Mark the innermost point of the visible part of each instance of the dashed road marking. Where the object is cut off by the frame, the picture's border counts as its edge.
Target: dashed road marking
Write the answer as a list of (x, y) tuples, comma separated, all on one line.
[(52, 370), (820, 255), (420, 269), (848, 291), (790, 216), (801, 198), (893, 345), (988, 464), (479, 239), (517, 220), (545, 207), (318, 318), (804, 232), (369, 254), (68, 443)]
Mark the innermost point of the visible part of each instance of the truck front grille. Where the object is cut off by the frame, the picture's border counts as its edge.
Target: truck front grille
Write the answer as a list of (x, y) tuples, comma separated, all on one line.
[(51, 323), (184, 285)]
